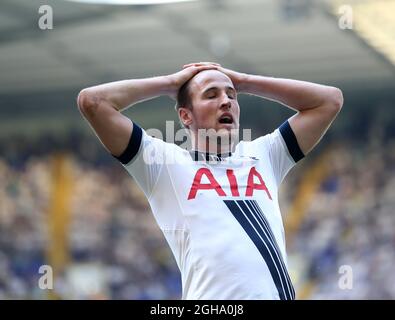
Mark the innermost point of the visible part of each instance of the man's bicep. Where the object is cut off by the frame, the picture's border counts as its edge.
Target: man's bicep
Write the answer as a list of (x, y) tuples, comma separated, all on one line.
[(310, 125), (112, 127)]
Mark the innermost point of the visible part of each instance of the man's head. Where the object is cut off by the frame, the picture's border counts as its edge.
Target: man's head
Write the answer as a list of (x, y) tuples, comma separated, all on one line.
[(208, 101)]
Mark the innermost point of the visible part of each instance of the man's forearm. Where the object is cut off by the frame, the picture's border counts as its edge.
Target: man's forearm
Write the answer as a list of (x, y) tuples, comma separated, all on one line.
[(122, 94), (298, 95)]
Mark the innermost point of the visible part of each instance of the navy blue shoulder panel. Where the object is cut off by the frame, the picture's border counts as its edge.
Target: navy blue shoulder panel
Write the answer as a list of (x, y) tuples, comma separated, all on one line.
[(291, 142), (133, 146)]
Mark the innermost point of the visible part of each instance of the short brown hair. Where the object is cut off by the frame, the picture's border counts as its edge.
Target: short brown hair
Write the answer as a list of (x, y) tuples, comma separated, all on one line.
[(184, 96)]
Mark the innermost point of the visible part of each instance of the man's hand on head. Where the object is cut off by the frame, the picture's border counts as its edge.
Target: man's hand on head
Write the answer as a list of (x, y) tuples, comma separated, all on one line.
[(237, 78), (188, 72)]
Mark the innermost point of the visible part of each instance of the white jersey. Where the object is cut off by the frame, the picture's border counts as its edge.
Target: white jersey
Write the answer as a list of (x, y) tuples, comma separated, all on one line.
[(221, 218)]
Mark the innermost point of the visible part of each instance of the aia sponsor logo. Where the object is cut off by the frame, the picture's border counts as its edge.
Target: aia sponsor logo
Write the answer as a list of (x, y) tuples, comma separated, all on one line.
[(213, 184)]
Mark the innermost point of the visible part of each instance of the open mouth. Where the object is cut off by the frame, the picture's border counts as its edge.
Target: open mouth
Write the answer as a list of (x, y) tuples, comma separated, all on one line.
[(227, 119)]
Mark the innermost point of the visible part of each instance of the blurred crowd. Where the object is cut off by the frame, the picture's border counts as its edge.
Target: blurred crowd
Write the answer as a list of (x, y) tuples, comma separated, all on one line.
[(116, 250), (345, 243)]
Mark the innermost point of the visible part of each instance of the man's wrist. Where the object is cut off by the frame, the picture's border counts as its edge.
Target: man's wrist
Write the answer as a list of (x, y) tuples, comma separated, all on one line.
[(243, 83), (169, 85)]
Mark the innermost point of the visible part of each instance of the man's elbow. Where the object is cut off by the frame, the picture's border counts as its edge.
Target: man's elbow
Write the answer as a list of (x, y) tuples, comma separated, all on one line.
[(336, 100), (87, 101), (84, 99)]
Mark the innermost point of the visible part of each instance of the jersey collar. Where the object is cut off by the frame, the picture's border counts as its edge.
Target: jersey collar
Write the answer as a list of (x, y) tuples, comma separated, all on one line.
[(206, 156)]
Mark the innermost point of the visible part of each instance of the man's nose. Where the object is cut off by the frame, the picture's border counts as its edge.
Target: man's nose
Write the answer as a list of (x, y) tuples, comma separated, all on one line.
[(225, 102)]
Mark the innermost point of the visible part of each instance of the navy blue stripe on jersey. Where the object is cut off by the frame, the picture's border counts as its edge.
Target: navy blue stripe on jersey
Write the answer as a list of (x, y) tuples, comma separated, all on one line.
[(291, 142), (259, 215), (261, 238), (275, 251), (133, 145)]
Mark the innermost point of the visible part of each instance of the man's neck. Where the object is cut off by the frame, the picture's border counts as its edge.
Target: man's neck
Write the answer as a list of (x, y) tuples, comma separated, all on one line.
[(212, 146)]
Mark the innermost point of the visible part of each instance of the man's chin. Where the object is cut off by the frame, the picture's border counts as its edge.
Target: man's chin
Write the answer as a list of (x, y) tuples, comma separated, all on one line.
[(222, 131)]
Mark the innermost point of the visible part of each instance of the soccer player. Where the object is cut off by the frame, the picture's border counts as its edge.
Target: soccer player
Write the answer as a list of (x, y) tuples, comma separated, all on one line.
[(217, 208)]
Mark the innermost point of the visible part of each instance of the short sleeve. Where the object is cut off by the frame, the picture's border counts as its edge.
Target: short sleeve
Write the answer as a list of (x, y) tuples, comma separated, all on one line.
[(143, 159), (282, 149)]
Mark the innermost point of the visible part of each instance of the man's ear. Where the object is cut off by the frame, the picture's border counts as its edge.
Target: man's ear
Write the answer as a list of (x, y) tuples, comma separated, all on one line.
[(185, 115)]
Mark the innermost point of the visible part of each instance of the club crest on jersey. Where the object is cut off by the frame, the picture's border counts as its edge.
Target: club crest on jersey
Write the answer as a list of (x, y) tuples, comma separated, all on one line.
[(214, 185)]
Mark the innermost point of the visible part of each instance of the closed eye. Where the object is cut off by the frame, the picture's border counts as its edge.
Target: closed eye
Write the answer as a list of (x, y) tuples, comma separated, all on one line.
[(212, 93), (231, 94)]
